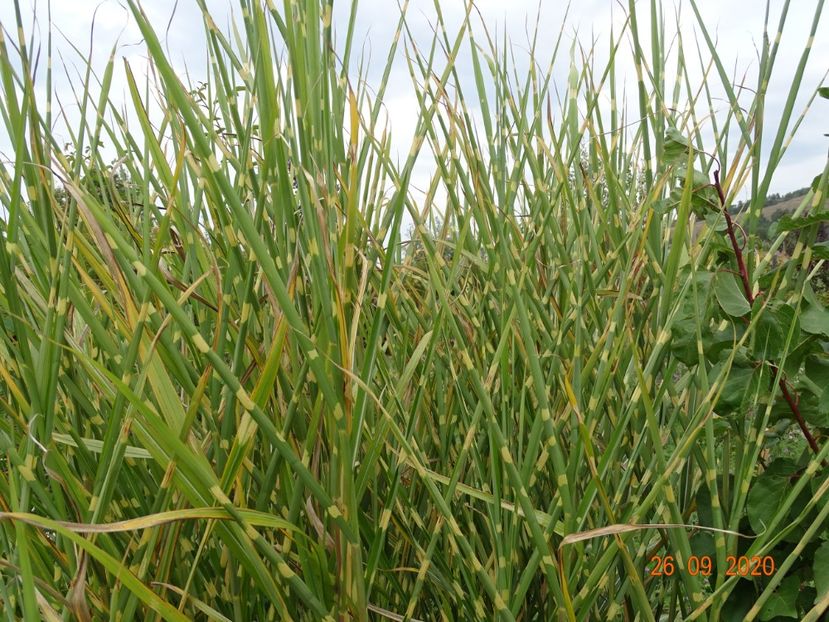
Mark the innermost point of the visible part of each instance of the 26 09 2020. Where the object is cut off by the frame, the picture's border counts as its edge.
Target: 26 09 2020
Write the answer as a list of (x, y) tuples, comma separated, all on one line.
[(741, 566)]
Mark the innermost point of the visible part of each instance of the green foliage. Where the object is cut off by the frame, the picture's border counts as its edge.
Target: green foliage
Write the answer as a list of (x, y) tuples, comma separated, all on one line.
[(232, 389), (730, 296)]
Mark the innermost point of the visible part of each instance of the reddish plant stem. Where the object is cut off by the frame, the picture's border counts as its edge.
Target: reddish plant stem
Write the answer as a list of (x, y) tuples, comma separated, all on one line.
[(791, 400), (741, 264)]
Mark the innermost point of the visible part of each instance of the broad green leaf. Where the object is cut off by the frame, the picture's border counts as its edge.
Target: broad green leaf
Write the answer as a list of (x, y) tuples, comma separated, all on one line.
[(820, 568), (745, 383), (820, 250), (783, 603), (740, 600), (789, 322), (676, 146), (716, 221), (768, 336), (764, 500), (812, 410), (703, 501), (730, 295), (698, 178), (792, 223), (816, 368), (815, 320), (823, 400)]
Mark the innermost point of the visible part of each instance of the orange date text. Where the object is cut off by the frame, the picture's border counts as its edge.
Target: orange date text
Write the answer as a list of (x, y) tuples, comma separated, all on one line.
[(736, 566)]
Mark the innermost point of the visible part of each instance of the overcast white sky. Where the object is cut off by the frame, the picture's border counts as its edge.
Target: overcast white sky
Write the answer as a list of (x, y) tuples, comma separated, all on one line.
[(737, 23)]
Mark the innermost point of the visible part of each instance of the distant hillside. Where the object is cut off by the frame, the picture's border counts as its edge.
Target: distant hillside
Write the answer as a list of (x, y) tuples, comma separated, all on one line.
[(777, 205), (785, 202)]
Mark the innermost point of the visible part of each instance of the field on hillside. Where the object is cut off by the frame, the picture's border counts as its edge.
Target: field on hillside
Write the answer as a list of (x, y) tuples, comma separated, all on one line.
[(248, 372)]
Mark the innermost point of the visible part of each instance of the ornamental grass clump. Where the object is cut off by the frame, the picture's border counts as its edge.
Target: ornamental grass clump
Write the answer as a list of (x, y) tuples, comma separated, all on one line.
[(249, 372)]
